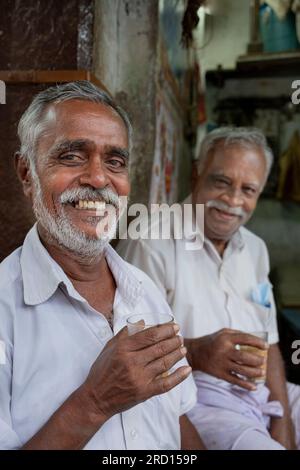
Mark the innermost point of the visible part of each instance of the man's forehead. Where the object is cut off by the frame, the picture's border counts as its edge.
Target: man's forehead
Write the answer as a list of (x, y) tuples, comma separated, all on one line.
[(233, 154), (72, 109), (73, 120)]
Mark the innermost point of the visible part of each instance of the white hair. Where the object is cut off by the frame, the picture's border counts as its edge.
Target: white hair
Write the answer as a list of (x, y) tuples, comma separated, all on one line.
[(248, 137), (33, 123)]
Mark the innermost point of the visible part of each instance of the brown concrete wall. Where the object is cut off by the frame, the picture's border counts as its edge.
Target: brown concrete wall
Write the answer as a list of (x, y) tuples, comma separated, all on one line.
[(34, 35)]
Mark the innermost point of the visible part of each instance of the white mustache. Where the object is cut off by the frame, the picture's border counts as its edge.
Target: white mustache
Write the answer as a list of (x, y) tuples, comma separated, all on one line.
[(106, 194), (222, 206)]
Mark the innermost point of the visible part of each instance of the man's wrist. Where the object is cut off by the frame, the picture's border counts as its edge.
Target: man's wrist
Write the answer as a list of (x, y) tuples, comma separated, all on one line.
[(85, 402), (191, 356)]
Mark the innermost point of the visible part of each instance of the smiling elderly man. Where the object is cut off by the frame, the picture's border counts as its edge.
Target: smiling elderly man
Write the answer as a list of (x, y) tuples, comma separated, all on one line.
[(72, 376), (220, 294)]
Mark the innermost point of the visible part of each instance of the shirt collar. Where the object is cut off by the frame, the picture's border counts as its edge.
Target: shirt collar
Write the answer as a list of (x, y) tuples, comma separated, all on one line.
[(237, 240), (42, 274), (130, 287), (236, 243)]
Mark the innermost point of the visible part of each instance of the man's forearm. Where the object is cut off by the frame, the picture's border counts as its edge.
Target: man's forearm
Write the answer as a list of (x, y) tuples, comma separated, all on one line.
[(70, 427), (190, 439), (281, 428)]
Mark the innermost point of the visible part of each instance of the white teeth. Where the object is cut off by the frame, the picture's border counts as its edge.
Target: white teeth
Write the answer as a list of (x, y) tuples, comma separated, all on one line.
[(98, 205)]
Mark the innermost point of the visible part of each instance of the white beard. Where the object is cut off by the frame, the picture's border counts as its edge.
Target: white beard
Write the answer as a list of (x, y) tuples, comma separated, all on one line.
[(61, 230)]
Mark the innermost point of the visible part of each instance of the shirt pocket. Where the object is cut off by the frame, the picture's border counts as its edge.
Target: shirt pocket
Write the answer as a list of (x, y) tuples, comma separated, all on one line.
[(259, 317)]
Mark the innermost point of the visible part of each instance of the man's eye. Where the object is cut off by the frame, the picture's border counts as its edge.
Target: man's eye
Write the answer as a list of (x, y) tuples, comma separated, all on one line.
[(69, 157), (250, 191), (221, 183), (116, 163)]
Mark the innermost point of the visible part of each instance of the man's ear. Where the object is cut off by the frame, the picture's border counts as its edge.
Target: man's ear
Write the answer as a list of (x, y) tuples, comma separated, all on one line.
[(23, 172)]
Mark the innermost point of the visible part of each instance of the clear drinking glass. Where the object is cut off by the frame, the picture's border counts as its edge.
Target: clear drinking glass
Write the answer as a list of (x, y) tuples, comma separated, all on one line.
[(259, 352), (142, 321)]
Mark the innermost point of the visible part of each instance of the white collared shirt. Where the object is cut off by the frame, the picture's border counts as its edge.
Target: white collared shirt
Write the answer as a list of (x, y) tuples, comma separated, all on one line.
[(207, 292), (52, 337)]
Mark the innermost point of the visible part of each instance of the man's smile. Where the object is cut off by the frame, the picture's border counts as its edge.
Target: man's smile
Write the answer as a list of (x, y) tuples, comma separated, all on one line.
[(223, 215), (85, 204)]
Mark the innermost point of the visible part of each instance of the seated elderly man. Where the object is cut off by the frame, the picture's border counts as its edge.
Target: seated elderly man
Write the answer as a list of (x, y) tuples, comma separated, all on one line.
[(221, 294), (72, 377)]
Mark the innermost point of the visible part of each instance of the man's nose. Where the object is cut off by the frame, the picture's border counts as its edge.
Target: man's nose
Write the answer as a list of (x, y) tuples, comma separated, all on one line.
[(233, 197), (94, 174)]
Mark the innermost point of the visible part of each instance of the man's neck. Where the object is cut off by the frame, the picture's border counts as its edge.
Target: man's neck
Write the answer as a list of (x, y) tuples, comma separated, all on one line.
[(220, 246)]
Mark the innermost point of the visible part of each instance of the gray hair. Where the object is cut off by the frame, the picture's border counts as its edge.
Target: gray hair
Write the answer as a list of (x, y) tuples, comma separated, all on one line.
[(32, 122), (248, 137)]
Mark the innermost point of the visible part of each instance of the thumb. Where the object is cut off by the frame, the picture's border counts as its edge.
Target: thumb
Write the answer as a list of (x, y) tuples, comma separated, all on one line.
[(122, 333)]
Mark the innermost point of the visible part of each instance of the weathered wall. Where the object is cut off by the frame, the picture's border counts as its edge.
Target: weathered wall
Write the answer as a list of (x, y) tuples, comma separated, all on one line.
[(44, 35), (125, 60), (222, 37), (34, 35)]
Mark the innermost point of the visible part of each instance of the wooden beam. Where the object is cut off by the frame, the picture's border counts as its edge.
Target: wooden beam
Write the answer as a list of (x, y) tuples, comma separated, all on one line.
[(49, 76), (255, 44)]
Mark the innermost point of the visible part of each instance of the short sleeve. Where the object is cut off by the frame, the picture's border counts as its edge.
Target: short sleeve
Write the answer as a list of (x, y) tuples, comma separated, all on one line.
[(263, 277), (188, 395), (272, 324)]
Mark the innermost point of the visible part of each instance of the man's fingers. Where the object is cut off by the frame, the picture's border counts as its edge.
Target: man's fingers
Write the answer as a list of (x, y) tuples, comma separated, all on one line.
[(123, 333), (240, 382), (245, 339), (165, 384), (153, 335), (249, 372), (163, 364), (247, 358), (162, 348)]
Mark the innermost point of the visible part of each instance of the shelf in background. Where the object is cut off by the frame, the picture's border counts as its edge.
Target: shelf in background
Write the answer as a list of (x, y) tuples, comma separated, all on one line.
[(280, 64)]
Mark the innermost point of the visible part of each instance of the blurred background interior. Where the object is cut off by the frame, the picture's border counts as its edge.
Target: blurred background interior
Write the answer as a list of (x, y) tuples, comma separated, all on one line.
[(181, 68)]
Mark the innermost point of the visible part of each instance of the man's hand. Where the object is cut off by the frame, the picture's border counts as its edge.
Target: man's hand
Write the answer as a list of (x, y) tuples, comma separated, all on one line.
[(218, 354), (128, 370)]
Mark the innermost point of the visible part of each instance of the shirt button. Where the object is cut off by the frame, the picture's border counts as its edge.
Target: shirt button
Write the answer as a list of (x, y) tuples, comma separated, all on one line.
[(133, 433)]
